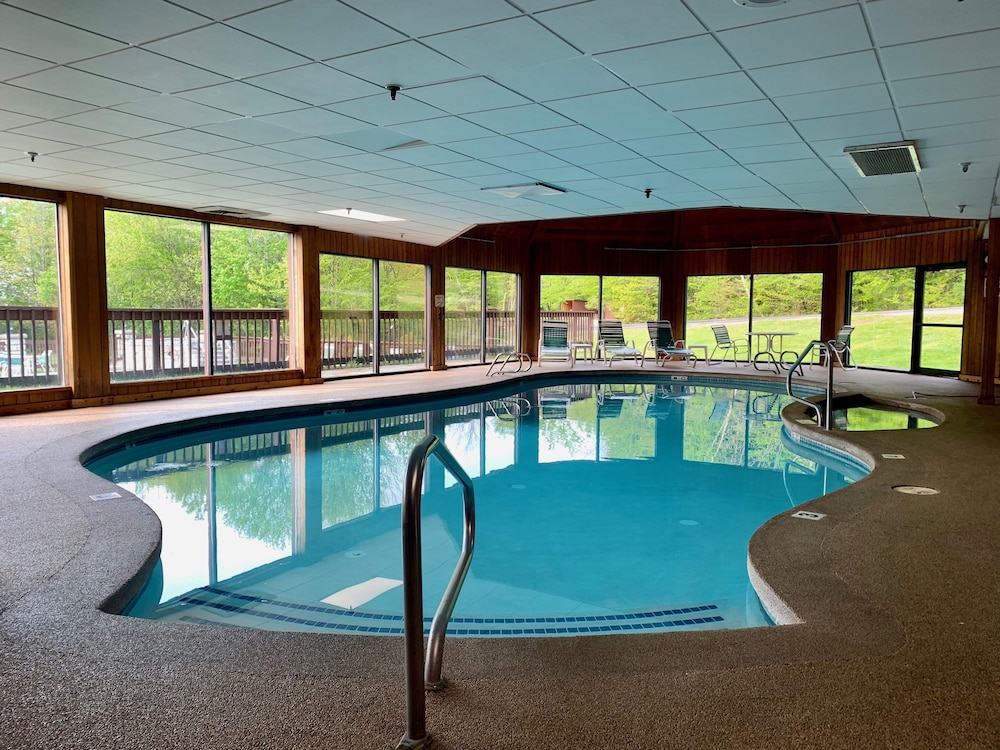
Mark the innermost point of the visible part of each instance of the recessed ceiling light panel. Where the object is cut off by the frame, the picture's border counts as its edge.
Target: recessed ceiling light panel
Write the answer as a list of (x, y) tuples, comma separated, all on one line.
[(531, 190), (353, 213)]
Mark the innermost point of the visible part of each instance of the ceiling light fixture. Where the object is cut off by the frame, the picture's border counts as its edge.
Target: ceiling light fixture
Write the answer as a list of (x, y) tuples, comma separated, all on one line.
[(353, 213), (899, 157), (530, 190)]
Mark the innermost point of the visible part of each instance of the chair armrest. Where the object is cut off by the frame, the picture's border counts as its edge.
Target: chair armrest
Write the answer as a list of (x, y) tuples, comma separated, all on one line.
[(679, 344)]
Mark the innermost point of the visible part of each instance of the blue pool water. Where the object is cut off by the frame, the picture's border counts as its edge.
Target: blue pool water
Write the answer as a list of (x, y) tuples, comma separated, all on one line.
[(601, 507)]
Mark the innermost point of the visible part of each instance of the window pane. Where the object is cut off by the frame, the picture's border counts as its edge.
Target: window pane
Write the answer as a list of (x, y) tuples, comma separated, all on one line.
[(633, 300), (249, 299), (575, 300), (501, 313), (717, 299), (944, 304), (155, 301), (402, 302), (882, 316), (347, 309), (29, 295), (463, 335), (788, 302)]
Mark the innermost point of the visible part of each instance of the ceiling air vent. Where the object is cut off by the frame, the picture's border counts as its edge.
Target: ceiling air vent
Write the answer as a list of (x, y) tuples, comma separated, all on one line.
[(232, 213), (885, 158)]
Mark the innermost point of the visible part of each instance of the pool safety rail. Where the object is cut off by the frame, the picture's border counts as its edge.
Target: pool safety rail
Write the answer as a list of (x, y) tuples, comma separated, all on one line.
[(502, 359), (416, 735), (831, 352)]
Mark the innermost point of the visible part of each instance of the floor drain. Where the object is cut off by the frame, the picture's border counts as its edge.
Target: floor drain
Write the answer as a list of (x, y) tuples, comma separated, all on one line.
[(909, 489), (809, 515)]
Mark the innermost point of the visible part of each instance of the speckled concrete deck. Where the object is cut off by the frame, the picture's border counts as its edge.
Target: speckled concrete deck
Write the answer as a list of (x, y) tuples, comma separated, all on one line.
[(899, 597)]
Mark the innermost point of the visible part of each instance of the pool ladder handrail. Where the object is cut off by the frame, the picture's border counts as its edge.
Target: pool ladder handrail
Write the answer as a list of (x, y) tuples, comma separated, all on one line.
[(834, 352), (416, 735)]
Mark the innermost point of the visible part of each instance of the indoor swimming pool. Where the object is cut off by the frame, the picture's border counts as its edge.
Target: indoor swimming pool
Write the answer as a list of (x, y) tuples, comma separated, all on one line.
[(601, 507)]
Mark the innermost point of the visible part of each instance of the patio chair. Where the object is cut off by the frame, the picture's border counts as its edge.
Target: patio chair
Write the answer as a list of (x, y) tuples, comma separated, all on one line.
[(840, 347), (726, 344), (553, 342), (611, 344), (663, 344)]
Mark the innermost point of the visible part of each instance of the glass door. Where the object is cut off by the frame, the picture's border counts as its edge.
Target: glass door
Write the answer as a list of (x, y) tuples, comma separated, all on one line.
[(940, 302)]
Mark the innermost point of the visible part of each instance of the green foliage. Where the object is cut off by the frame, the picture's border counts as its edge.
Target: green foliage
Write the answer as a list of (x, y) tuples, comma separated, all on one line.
[(345, 283), (249, 268), (28, 258), (557, 289), (402, 286)]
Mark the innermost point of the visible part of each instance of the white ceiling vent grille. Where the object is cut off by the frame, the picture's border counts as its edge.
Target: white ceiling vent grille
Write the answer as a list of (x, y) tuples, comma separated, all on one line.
[(885, 158), (232, 213)]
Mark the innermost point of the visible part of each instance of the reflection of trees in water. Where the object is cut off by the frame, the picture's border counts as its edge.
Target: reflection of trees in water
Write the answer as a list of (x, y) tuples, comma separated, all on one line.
[(255, 498), (394, 453), (348, 472)]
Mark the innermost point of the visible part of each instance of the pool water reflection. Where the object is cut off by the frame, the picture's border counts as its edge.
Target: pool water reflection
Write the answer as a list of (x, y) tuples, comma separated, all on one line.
[(601, 507)]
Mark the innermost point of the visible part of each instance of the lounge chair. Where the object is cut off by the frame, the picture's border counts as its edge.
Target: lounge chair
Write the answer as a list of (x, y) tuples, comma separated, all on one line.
[(839, 348), (726, 344), (663, 344), (611, 344), (553, 343)]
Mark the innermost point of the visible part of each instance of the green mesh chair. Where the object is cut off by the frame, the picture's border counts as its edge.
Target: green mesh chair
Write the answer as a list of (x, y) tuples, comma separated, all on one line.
[(663, 345), (553, 342)]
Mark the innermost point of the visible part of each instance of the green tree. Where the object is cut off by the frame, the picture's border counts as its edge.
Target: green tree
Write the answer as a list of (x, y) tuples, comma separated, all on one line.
[(28, 257)]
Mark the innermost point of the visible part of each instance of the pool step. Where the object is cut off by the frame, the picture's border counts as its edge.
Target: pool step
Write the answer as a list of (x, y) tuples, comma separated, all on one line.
[(215, 606)]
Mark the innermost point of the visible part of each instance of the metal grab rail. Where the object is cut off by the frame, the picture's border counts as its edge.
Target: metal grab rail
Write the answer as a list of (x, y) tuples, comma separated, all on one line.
[(824, 419), (416, 735)]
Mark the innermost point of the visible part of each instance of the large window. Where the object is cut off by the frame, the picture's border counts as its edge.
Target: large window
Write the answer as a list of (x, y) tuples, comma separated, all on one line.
[(29, 295), (782, 310), (480, 315), (351, 342), (583, 300), (160, 322), (908, 318)]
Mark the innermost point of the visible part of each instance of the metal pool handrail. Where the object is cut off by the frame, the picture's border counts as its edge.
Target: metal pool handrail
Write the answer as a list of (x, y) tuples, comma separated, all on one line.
[(824, 419), (416, 735)]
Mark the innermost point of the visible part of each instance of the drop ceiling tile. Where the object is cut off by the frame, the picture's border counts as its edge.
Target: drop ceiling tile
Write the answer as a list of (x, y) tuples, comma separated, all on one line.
[(314, 121), (148, 70), (625, 168), (965, 133), (952, 156), (756, 135), (695, 160), (118, 123), (407, 64), (694, 57), (435, 16), (593, 154), (518, 119), (140, 192), (226, 51), (668, 144), (720, 16), (253, 130), (838, 72), (10, 120), (242, 99), (315, 148), (175, 111), (66, 133), (101, 158), (36, 36), (620, 115), (951, 113), (712, 91), (426, 156), (513, 43), (468, 168), (195, 140), (316, 168), (947, 88), (939, 56), (900, 21), (381, 110), (313, 184), (124, 20), (468, 95), (824, 34), (565, 137), (83, 87), (527, 163), (368, 162), (835, 102), (210, 163), (170, 170), (558, 175), (731, 115), (484, 148), (147, 150), (410, 174), (305, 26), (82, 182), (848, 126), (13, 65), (263, 174), (781, 152), (372, 139), (315, 84), (722, 178), (577, 76), (790, 172), (603, 25)]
